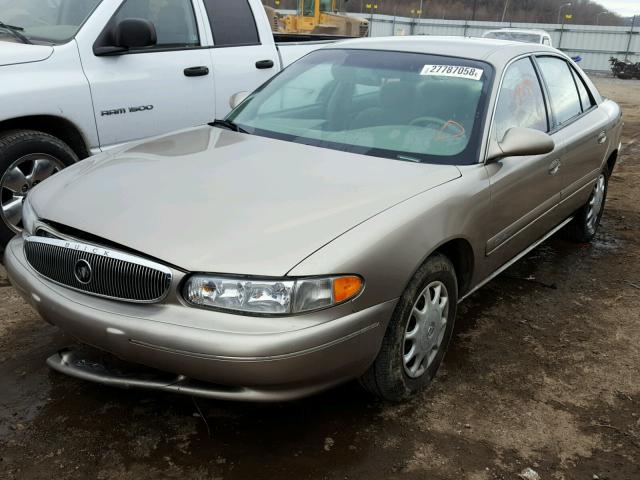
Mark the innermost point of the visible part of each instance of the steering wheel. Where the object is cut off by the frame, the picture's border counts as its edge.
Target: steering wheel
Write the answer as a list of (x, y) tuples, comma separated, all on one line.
[(428, 121), (444, 126)]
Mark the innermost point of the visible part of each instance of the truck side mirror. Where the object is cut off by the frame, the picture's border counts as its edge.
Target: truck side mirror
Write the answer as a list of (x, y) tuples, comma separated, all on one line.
[(125, 35), (237, 98)]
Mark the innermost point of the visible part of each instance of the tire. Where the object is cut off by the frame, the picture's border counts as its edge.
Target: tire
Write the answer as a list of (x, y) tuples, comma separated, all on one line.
[(32, 157), (584, 225), (389, 377)]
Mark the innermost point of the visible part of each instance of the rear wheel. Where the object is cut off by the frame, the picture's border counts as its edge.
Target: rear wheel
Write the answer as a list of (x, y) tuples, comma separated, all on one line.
[(27, 158), (585, 223), (418, 334)]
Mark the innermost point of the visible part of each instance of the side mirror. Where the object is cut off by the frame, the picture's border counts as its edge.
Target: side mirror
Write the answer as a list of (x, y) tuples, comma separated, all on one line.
[(519, 142), (125, 35), (237, 98)]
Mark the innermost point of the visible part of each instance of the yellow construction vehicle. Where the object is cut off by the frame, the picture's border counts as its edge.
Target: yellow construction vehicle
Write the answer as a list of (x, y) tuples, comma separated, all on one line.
[(321, 17)]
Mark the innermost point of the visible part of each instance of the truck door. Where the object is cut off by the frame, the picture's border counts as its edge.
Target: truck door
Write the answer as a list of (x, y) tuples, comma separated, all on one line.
[(244, 54), (152, 90)]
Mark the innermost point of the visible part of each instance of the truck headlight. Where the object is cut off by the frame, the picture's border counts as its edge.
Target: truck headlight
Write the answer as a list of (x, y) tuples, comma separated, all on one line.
[(270, 296), (29, 217)]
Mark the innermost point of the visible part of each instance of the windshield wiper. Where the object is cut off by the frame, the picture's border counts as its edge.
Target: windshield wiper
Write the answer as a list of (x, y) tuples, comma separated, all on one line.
[(15, 31), (228, 124)]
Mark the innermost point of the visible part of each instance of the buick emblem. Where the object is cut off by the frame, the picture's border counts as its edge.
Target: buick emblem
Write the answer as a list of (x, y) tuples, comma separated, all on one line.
[(82, 271)]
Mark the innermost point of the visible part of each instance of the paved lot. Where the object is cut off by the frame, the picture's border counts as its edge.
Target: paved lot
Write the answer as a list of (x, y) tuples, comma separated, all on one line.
[(544, 373)]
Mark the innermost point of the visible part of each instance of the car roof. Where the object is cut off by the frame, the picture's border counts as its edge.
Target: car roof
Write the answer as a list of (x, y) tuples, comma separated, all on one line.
[(487, 49)]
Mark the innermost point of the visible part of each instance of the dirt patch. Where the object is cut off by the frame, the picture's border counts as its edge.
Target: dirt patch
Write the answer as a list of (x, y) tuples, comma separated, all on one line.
[(544, 372)]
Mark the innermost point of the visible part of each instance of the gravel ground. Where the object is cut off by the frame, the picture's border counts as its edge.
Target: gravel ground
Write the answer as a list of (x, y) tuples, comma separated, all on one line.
[(543, 373)]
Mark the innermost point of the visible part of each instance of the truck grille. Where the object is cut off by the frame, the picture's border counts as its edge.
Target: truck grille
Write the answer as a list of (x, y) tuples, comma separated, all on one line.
[(98, 271)]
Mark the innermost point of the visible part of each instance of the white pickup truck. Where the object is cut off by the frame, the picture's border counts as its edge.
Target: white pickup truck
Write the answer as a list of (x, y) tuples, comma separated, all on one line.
[(81, 76)]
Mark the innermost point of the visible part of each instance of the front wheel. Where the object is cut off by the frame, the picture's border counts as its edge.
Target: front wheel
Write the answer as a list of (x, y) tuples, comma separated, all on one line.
[(27, 158), (418, 333), (585, 223)]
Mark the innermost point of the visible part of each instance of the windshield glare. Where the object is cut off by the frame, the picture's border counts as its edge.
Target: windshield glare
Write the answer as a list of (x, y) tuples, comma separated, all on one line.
[(49, 21), (406, 106)]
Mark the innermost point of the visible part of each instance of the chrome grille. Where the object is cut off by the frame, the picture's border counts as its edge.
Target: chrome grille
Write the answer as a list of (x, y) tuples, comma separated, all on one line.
[(108, 273)]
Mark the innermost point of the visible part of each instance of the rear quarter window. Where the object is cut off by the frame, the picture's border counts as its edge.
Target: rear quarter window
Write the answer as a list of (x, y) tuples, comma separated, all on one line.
[(232, 23), (585, 98)]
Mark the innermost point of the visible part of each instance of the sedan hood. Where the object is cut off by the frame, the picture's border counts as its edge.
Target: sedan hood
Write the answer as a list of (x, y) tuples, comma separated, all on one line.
[(12, 53), (213, 200)]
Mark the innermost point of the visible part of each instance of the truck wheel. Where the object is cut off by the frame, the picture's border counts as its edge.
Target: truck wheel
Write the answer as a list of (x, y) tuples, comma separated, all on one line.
[(418, 334), (27, 157), (585, 223)]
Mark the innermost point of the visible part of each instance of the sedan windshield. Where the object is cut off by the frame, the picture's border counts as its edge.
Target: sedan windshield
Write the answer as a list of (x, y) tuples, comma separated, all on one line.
[(405, 106), (46, 21)]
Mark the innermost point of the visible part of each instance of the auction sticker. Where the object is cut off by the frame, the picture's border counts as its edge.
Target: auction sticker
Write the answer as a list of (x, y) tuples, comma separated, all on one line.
[(470, 73)]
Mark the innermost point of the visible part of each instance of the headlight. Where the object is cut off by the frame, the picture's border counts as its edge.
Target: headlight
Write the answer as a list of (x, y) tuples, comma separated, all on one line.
[(29, 217), (270, 296)]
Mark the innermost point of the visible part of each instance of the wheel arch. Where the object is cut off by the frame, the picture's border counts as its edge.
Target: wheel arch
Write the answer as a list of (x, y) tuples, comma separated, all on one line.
[(460, 252), (611, 161), (59, 127)]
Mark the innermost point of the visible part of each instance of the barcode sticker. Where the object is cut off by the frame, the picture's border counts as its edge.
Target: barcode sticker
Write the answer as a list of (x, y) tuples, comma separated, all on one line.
[(452, 71)]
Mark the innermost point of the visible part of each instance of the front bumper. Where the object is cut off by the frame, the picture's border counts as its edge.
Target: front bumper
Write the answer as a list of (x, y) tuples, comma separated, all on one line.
[(261, 359)]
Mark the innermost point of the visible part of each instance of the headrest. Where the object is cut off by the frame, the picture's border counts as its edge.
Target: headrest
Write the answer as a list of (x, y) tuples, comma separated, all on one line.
[(393, 94)]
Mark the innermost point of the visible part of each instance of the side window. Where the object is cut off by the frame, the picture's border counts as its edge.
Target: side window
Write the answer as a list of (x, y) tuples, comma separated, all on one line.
[(306, 90), (585, 98), (232, 23), (565, 102), (545, 41), (520, 103), (174, 20)]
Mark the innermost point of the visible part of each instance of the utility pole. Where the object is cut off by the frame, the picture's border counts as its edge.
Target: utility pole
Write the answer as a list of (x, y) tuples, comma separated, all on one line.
[(568, 4), (633, 22), (504, 11)]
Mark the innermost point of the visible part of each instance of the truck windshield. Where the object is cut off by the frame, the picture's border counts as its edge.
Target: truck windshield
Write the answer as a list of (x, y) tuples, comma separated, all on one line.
[(515, 36), (47, 21), (307, 8), (405, 106)]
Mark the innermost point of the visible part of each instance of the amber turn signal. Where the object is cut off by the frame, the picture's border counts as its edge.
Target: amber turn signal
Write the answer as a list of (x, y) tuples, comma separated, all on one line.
[(345, 288)]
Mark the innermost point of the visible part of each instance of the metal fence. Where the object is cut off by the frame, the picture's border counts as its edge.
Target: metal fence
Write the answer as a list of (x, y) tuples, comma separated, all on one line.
[(595, 44)]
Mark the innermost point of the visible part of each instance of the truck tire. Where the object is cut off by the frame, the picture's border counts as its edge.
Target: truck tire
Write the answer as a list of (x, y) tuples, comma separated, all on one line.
[(418, 334), (27, 157), (585, 223)]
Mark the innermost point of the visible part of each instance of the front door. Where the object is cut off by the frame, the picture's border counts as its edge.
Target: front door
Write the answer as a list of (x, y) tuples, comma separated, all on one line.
[(524, 190), (157, 89)]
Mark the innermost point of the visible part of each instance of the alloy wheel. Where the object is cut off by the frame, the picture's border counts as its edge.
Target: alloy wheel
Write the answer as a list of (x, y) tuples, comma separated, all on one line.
[(595, 202), (21, 176)]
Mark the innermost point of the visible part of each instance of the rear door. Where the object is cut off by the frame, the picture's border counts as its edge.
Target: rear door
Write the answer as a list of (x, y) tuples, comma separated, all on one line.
[(244, 54), (524, 190), (152, 90), (582, 126)]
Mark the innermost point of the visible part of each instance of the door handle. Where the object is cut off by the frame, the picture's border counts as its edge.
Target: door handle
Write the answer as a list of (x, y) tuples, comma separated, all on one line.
[(554, 167), (196, 71), (602, 137), (262, 64)]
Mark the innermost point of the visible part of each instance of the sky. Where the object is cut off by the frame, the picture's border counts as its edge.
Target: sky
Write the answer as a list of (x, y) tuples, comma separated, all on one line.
[(626, 8)]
